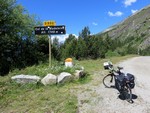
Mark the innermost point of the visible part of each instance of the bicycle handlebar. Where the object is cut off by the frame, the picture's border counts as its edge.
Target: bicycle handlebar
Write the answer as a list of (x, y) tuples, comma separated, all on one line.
[(116, 71)]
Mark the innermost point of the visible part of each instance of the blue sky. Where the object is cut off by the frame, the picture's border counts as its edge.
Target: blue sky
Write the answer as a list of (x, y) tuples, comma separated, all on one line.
[(98, 15)]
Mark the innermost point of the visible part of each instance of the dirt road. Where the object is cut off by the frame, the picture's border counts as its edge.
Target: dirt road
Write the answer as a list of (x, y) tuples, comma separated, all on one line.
[(95, 98)]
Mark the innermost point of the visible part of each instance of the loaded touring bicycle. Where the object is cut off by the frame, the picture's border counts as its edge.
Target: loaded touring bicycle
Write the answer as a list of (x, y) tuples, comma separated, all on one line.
[(124, 83)]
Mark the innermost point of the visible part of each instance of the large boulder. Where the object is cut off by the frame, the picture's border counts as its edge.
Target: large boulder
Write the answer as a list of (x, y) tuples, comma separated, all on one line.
[(64, 77), (49, 79), (26, 78)]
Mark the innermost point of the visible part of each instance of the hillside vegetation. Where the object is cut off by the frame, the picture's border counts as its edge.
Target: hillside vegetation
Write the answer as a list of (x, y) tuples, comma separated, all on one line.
[(133, 32)]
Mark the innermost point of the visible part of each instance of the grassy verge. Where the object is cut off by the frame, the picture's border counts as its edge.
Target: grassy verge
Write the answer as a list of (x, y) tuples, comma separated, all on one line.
[(16, 98), (97, 65), (32, 98)]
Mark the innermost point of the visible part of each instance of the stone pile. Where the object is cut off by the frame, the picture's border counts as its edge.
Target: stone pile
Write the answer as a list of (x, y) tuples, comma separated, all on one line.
[(49, 79)]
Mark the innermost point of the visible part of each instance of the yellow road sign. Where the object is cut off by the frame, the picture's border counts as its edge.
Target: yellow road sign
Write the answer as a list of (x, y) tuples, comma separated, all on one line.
[(49, 23)]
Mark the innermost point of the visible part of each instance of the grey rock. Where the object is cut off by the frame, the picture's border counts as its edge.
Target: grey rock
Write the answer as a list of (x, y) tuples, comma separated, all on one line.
[(79, 74), (64, 77), (26, 78), (49, 79)]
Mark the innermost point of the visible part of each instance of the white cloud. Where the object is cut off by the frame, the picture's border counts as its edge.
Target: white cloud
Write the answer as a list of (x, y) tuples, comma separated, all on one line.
[(129, 2), (62, 38), (117, 14), (94, 23), (133, 11), (75, 35)]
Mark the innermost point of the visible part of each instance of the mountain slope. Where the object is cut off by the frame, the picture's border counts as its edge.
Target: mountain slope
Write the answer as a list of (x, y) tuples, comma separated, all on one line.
[(135, 29)]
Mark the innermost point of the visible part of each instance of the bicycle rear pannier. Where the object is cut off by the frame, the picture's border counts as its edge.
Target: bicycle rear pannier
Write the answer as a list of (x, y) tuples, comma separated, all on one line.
[(131, 79)]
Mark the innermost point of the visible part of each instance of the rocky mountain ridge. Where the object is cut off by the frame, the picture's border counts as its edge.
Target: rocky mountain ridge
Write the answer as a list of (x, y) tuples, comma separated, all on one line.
[(136, 25)]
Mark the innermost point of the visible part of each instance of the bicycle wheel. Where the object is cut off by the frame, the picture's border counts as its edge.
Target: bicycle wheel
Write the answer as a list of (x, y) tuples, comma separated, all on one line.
[(108, 81), (128, 94)]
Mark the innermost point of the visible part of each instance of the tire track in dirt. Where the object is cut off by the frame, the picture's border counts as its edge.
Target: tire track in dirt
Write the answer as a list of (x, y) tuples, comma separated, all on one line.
[(98, 99)]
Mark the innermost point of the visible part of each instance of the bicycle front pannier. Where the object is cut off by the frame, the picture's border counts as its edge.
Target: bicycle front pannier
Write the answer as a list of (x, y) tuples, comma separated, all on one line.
[(107, 65), (119, 79)]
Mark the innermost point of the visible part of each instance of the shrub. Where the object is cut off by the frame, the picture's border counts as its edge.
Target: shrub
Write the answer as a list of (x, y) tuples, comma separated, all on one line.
[(111, 53)]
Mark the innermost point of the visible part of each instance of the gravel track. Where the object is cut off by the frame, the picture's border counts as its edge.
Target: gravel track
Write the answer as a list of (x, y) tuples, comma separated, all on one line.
[(95, 98)]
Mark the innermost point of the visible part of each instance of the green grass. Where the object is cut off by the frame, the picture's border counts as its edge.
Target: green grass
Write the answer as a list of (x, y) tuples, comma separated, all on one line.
[(44, 69), (36, 98), (97, 65)]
